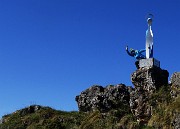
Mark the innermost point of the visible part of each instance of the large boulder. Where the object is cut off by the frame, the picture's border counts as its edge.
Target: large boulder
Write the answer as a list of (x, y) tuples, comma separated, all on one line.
[(149, 78), (103, 99), (146, 81)]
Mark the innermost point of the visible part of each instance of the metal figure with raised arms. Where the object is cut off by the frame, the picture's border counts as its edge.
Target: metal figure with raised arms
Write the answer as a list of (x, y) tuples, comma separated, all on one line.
[(149, 43), (138, 54), (149, 38)]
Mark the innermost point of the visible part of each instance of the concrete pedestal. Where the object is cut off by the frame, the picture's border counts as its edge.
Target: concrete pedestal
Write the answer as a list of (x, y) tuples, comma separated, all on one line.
[(149, 63)]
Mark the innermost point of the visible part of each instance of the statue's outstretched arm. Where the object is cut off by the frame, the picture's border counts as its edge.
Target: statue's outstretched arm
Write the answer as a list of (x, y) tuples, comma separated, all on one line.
[(128, 51), (142, 50)]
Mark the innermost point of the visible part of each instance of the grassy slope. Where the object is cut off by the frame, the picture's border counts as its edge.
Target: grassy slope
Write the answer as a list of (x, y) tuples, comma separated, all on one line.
[(48, 118)]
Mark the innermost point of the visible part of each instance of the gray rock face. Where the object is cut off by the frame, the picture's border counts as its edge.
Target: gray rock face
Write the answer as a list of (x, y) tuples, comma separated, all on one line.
[(175, 84), (149, 79), (176, 122), (175, 92), (175, 78), (146, 81), (103, 99)]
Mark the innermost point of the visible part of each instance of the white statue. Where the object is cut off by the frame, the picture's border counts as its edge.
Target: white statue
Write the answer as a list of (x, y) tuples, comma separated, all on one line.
[(149, 39)]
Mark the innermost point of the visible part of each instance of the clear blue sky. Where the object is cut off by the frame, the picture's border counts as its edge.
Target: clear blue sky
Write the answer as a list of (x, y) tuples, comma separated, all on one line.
[(51, 50)]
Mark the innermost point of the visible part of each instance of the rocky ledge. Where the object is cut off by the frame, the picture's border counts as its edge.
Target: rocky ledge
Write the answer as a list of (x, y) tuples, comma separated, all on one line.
[(103, 98)]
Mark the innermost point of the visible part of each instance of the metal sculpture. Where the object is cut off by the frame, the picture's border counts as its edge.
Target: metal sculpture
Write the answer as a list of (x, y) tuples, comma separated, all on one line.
[(149, 38)]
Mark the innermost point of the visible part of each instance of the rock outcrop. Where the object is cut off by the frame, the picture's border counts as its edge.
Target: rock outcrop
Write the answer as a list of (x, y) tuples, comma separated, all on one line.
[(151, 94), (103, 99), (146, 81), (176, 121), (30, 109), (149, 79), (175, 93)]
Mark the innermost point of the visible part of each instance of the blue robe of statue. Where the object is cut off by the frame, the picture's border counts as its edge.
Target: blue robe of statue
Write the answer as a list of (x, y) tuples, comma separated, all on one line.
[(136, 53)]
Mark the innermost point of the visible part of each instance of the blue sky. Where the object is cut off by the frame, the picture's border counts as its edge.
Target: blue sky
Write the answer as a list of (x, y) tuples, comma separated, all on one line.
[(50, 51)]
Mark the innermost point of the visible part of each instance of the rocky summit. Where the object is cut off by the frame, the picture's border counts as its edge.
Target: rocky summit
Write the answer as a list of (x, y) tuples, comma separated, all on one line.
[(146, 81), (152, 103), (149, 79), (151, 93)]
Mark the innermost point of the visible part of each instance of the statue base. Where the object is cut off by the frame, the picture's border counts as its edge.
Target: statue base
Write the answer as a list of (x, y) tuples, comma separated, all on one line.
[(151, 62)]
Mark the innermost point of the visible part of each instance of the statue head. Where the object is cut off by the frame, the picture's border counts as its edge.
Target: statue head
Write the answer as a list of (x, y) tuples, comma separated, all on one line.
[(149, 21)]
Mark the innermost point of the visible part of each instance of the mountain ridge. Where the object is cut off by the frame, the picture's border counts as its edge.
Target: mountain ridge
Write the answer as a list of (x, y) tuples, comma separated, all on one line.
[(105, 108)]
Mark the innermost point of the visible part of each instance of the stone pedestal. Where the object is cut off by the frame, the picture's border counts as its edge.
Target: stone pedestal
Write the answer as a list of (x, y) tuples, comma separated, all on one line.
[(146, 80), (151, 62)]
